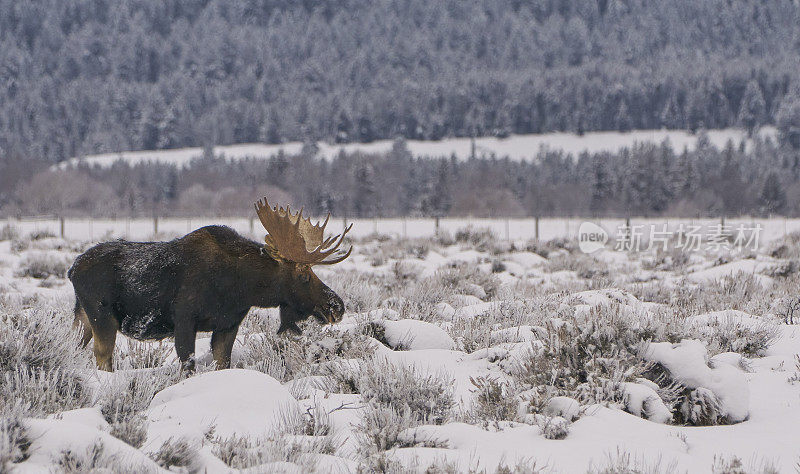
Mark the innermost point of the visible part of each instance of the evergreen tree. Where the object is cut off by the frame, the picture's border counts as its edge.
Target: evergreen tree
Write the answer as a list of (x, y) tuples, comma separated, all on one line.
[(788, 121), (753, 108), (772, 198)]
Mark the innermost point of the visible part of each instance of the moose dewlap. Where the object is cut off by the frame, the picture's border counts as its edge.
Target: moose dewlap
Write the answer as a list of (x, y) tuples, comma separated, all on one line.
[(205, 281)]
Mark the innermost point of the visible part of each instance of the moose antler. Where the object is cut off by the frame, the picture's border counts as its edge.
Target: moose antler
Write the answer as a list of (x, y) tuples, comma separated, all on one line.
[(294, 238)]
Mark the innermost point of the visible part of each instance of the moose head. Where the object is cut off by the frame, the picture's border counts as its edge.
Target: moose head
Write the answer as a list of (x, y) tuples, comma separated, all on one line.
[(297, 244)]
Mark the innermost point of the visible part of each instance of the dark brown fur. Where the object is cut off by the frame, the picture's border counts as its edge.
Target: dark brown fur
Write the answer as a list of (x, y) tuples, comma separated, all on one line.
[(205, 281)]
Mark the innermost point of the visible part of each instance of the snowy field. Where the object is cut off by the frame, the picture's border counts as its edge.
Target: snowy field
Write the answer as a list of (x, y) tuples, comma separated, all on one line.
[(516, 147), (465, 352)]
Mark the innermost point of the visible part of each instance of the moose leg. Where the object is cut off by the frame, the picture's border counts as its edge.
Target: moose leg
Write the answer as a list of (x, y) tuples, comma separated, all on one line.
[(184, 347), (105, 336), (81, 323), (222, 346)]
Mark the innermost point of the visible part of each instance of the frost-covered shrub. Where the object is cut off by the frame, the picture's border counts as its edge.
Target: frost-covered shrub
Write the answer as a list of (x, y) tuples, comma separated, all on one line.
[(14, 440), (44, 264), (589, 357), (787, 247), (734, 465), (789, 309), (704, 395), (380, 428), (143, 355), (494, 401), (783, 269), (358, 291), (458, 279), (472, 334), (427, 398), (123, 404), (288, 357), (175, 453), (479, 237), (41, 234), (553, 427), (41, 364), (8, 232), (295, 438), (748, 339), (621, 462), (96, 459), (583, 265), (672, 259)]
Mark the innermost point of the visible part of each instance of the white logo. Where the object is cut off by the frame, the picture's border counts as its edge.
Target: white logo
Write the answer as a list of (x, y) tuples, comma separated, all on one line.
[(591, 237)]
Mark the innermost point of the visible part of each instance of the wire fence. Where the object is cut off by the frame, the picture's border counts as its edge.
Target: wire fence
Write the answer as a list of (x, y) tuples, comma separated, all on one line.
[(544, 229)]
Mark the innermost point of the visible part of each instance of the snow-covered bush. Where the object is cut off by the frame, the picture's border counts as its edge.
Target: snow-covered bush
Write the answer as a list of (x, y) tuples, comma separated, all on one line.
[(380, 428), (494, 401), (297, 437), (728, 335), (44, 264), (358, 291), (96, 459), (287, 357), (14, 440), (8, 232), (734, 465), (123, 403), (143, 355), (460, 278), (585, 266), (587, 357), (711, 395), (41, 364), (783, 269), (479, 237), (621, 462), (427, 397), (175, 453)]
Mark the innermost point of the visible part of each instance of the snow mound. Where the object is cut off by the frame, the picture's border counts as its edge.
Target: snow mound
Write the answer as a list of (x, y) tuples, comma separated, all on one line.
[(642, 401), (526, 259), (233, 401), (565, 407), (414, 335), (50, 439), (686, 363), (728, 270), (605, 297), (477, 309)]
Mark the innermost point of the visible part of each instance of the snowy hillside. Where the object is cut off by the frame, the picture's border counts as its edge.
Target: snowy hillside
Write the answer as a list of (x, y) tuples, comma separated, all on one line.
[(455, 354), (516, 147)]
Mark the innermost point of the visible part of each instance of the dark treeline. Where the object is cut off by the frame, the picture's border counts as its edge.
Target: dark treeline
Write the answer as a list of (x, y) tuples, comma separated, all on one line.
[(648, 179), (88, 76)]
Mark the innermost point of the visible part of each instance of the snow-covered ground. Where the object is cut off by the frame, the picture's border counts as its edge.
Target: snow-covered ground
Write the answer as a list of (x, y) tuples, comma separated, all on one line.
[(473, 354), (516, 147)]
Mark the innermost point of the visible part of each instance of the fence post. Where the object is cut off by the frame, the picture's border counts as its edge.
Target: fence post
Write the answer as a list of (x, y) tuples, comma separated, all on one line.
[(61, 226), (436, 226), (508, 230), (155, 225), (375, 225), (251, 226), (405, 232), (536, 227)]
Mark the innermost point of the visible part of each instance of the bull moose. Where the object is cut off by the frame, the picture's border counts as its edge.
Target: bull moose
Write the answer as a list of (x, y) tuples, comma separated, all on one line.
[(205, 281)]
